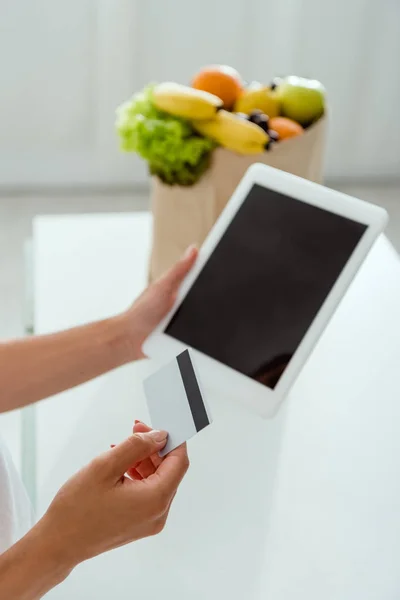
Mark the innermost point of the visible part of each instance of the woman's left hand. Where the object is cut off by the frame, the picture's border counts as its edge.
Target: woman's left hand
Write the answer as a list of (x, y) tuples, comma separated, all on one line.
[(155, 303)]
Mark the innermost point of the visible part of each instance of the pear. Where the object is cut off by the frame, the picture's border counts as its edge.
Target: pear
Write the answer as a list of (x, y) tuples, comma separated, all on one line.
[(258, 96), (302, 100)]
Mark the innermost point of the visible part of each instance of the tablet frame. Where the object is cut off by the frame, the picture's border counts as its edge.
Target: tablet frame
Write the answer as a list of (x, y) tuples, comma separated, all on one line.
[(218, 378)]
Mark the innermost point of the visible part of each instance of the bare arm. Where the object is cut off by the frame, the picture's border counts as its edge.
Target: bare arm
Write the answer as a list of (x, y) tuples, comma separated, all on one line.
[(99, 494), (32, 567), (38, 367)]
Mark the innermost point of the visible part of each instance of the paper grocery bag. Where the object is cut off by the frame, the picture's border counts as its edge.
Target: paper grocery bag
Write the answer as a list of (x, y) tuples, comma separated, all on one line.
[(181, 216), (185, 215)]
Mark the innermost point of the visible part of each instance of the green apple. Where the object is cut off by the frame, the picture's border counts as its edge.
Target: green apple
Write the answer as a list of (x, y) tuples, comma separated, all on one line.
[(302, 100)]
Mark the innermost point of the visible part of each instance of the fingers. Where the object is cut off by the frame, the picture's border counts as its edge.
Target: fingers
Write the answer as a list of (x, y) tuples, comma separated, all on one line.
[(140, 427), (172, 470), (145, 468), (149, 465), (167, 472), (133, 474), (133, 450), (177, 273)]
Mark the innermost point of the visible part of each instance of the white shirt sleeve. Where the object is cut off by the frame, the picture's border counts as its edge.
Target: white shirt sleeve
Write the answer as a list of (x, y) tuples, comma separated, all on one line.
[(16, 514)]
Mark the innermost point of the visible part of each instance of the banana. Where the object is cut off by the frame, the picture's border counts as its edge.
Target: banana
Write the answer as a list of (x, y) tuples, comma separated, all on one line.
[(234, 133), (186, 102)]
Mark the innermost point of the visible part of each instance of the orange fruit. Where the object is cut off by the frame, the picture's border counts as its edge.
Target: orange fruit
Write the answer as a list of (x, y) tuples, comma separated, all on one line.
[(285, 128), (220, 80)]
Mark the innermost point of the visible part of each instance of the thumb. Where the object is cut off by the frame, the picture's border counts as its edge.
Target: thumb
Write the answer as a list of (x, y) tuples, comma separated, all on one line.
[(134, 449), (177, 273)]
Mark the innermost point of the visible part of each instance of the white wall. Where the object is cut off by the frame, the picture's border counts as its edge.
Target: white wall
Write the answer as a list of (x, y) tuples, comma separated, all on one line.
[(65, 66)]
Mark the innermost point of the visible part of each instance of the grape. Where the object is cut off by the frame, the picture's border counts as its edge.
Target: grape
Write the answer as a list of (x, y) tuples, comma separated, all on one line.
[(273, 135), (263, 119), (258, 117), (255, 113), (263, 125)]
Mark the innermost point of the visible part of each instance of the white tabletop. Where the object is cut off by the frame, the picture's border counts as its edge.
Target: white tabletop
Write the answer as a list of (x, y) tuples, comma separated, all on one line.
[(306, 506)]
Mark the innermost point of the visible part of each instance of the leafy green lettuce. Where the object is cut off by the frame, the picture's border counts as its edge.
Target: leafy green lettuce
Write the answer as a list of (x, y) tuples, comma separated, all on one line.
[(173, 150)]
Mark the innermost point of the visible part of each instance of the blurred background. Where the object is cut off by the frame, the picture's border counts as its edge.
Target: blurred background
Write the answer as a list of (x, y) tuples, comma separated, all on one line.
[(66, 66)]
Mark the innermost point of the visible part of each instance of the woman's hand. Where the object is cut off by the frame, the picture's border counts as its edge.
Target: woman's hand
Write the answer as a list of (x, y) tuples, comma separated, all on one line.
[(58, 361), (102, 508), (149, 465), (155, 303)]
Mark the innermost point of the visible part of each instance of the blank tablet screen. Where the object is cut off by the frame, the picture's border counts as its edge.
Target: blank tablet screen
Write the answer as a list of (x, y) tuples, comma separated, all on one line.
[(265, 282)]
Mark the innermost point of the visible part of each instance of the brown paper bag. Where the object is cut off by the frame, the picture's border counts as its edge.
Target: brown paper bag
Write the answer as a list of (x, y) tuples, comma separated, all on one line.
[(185, 215)]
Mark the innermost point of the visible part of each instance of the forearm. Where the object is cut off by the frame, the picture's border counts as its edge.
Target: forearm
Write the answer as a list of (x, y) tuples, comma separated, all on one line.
[(34, 368), (32, 567)]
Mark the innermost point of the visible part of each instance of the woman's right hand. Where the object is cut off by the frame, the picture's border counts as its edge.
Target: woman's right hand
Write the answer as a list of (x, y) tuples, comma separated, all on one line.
[(100, 508)]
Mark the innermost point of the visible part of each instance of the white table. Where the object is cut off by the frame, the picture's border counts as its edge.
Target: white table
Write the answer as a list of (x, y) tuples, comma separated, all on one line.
[(303, 507)]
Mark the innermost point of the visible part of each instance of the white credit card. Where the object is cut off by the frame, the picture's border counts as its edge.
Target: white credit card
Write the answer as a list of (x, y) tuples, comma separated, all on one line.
[(175, 401)]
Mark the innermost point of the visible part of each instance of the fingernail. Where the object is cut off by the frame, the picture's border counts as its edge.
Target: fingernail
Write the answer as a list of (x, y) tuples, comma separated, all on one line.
[(188, 251), (112, 445), (158, 436), (137, 421)]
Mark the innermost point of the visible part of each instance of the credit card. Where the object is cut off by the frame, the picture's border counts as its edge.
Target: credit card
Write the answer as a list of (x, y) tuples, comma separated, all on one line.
[(176, 402)]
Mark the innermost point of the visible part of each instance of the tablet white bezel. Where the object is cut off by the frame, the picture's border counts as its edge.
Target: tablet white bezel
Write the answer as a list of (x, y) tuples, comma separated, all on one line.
[(219, 377)]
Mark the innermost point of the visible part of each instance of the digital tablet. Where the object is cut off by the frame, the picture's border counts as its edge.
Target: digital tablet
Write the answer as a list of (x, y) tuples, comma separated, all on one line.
[(268, 278)]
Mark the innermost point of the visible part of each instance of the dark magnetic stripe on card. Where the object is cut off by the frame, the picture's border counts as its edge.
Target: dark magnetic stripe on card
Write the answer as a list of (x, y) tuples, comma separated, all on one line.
[(192, 390)]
